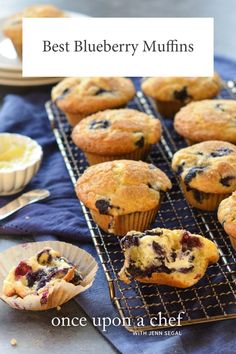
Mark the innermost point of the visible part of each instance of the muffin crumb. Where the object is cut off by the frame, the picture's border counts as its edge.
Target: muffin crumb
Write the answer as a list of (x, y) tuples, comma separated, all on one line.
[(13, 342)]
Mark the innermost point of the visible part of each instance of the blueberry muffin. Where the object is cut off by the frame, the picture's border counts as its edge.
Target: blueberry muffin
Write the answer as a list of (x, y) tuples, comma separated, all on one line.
[(116, 134), (39, 273), (227, 217), (166, 257), (122, 195), (207, 120), (79, 97), (172, 93), (207, 172), (13, 27)]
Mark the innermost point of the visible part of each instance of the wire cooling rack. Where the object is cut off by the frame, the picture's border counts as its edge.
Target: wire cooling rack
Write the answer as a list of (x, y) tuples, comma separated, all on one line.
[(213, 298)]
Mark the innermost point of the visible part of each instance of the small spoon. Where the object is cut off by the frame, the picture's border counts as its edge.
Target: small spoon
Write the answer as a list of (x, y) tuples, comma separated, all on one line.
[(20, 202)]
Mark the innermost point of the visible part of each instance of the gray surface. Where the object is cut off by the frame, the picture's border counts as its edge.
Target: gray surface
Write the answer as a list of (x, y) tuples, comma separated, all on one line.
[(33, 331)]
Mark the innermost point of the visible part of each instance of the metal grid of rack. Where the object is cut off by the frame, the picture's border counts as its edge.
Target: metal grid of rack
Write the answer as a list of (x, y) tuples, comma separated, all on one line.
[(213, 298)]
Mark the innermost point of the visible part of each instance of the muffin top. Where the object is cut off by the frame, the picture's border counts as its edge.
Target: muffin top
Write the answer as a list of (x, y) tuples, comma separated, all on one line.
[(207, 120), (183, 89), (122, 187), (88, 95), (116, 131), (227, 214), (209, 166), (13, 26)]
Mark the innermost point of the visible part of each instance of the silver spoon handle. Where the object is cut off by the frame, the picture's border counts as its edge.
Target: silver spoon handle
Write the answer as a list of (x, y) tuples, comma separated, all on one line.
[(20, 202)]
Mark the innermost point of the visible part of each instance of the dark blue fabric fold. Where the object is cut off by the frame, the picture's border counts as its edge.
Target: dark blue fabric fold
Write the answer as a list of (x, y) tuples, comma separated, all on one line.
[(60, 216)]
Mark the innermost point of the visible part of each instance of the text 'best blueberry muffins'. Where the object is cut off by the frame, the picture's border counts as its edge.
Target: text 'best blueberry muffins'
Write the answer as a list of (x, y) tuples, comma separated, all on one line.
[(166, 257), (207, 120), (122, 195), (35, 276), (172, 93), (207, 172), (227, 217), (79, 97), (116, 134), (13, 26)]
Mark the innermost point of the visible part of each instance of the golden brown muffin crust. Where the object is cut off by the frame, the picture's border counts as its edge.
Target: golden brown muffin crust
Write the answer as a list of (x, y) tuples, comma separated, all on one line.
[(209, 166), (122, 187), (115, 132), (87, 95), (13, 26), (227, 214), (181, 88), (207, 120)]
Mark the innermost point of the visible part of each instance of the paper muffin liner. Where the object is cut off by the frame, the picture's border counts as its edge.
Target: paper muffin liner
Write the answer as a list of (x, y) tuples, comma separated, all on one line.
[(168, 109), (121, 224), (201, 200), (138, 154), (74, 118), (190, 142), (233, 241), (62, 291)]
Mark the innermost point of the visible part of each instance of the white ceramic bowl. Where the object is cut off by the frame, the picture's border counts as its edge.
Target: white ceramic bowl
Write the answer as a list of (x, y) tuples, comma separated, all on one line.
[(20, 159)]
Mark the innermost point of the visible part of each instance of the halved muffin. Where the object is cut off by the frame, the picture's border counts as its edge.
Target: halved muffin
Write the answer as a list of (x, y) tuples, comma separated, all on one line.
[(166, 257)]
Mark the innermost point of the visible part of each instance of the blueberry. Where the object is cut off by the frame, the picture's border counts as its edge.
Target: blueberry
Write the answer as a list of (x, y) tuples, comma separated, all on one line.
[(64, 93), (191, 258), (198, 196), (22, 269), (44, 257), (225, 181), (140, 142), (103, 206), (164, 269), (158, 249), (220, 152), (186, 269), (153, 232), (189, 242), (36, 276), (192, 173), (42, 283), (100, 124), (180, 168), (58, 273), (44, 298), (130, 240), (182, 94), (173, 255), (77, 278), (101, 91)]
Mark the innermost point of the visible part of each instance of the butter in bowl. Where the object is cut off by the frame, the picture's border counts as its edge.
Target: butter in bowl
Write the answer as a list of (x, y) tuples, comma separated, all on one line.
[(20, 159)]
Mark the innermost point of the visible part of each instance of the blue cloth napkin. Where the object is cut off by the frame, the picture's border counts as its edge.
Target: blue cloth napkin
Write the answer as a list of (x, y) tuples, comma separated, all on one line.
[(60, 216)]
